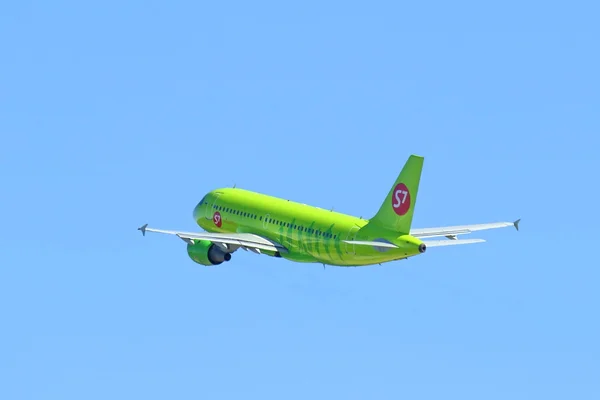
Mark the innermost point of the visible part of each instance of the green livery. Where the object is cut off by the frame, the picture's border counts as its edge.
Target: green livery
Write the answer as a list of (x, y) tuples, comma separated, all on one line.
[(313, 234), (235, 218)]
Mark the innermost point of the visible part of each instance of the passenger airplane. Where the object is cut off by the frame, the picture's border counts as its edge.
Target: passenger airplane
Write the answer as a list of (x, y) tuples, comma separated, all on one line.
[(235, 218)]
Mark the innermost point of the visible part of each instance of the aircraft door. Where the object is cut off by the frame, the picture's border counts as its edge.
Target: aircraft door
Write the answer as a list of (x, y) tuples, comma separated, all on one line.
[(265, 218), (210, 207), (350, 248)]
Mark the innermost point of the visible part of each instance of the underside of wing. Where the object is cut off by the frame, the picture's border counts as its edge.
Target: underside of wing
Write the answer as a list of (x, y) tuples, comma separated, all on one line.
[(451, 232), (231, 241)]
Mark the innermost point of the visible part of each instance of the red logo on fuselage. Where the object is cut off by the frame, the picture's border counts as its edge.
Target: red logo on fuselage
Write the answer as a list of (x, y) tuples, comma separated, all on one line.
[(401, 199), (217, 219)]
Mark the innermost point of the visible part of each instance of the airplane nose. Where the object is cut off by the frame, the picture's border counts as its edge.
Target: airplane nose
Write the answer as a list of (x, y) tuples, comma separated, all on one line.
[(196, 212), (422, 248)]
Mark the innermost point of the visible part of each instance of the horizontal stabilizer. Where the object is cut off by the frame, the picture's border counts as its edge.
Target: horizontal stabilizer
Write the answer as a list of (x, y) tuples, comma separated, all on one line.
[(371, 243), (460, 229), (436, 243)]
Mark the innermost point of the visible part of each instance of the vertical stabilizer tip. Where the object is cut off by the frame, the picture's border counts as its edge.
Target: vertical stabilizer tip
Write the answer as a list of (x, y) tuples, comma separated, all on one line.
[(516, 223), (143, 229)]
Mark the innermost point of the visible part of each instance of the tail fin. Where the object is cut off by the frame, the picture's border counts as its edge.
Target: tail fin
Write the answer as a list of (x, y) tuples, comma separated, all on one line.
[(396, 212)]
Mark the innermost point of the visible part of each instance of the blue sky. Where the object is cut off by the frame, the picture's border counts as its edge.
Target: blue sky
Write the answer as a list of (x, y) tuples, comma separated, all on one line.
[(114, 114)]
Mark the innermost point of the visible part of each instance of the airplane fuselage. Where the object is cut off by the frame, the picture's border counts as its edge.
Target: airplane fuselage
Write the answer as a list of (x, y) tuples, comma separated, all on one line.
[(310, 234)]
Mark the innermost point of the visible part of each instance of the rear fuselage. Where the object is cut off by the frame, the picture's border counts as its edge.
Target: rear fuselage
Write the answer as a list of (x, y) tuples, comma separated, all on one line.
[(310, 234)]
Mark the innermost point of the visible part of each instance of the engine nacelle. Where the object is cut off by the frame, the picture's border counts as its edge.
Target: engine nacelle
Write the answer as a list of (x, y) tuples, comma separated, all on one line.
[(207, 253)]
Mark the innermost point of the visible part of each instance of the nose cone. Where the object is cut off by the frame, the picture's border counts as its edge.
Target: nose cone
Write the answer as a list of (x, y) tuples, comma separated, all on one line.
[(197, 213)]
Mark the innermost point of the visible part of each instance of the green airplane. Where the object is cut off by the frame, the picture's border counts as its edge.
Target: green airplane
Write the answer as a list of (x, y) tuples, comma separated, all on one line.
[(235, 218)]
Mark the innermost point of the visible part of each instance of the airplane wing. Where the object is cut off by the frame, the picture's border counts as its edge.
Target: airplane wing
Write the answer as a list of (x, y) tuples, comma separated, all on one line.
[(451, 232), (230, 241)]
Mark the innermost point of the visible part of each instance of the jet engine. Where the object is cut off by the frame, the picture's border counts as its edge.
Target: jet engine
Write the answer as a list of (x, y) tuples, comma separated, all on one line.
[(207, 253)]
